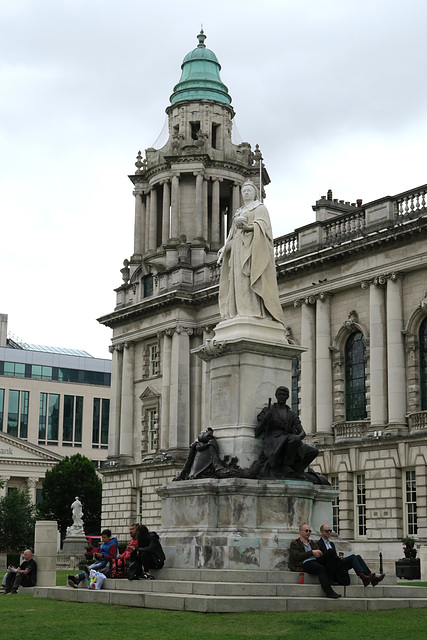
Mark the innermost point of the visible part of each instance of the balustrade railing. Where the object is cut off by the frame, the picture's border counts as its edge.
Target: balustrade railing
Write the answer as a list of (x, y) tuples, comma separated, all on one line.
[(417, 421), (410, 203), (337, 230), (350, 430)]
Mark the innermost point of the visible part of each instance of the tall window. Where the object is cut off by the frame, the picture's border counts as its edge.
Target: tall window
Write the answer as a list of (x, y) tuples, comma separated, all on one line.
[(410, 499), (101, 415), (1, 408), (49, 418), (17, 414), (355, 378), (423, 364), (140, 506), (335, 505), (295, 381), (151, 359), (72, 421), (360, 505), (152, 429)]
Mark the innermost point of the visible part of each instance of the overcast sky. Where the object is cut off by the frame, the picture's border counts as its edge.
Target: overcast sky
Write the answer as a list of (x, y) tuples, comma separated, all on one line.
[(334, 92)]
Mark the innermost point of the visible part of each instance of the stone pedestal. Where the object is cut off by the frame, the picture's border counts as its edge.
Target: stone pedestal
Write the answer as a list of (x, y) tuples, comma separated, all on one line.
[(45, 550), (245, 363), (238, 523), (74, 545)]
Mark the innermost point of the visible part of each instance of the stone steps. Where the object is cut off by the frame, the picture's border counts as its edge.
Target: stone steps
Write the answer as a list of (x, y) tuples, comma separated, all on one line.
[(204, 590)]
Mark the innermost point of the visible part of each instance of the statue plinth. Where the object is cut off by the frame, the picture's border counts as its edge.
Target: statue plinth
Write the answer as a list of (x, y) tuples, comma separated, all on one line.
[(74, 545), (245, 362), (238, 523)]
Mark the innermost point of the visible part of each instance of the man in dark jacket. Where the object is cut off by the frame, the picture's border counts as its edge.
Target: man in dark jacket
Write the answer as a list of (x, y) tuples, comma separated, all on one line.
[(349, 562), (285, 452), (305, 555), (25, 574), (149, 555)]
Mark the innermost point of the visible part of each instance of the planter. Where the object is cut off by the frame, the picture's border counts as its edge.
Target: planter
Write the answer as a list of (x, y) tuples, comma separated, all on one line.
[(408, 569)]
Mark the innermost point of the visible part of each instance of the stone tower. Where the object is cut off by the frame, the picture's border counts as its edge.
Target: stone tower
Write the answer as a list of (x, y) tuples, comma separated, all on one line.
[(185, 195)]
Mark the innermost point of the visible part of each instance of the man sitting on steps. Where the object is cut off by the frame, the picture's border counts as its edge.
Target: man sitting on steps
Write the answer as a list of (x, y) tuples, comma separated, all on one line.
[(305, 555), (349, 562)]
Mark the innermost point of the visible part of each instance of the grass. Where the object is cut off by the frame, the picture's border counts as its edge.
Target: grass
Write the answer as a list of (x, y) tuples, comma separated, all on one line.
[(50, 619)]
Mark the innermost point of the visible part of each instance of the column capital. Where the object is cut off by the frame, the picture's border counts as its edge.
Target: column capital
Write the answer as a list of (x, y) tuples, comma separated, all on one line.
[(32, 482), (199, 172), (128, 344), (324, 295), (311, 299), (396, 275)]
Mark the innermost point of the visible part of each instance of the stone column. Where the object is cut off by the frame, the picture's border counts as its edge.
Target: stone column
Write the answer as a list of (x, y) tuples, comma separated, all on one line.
[(115, 401), (179, 414), (205, 231), (139, 223), (235, 203), (215, 235), (31, 486), (45, 550), (175, 206), (196, 389), (166, 212), (377, 354), (126, 414), (166, 350), (308, 364), (3, 489), (198, 222), (324, 400), (395, 356), (147, 222), (153, 220)]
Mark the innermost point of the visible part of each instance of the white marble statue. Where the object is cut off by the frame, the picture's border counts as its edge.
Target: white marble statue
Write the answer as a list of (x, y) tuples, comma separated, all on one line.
[(248, 285), (76, 528)]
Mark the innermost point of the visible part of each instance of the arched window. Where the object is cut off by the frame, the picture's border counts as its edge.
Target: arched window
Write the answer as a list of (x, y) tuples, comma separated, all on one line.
[(423, 364), (355, 385)]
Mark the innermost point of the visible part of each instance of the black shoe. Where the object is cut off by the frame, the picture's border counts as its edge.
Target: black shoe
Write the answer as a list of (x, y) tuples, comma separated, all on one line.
[(333, 594), (86, 570), (376, 579), (72, 581)]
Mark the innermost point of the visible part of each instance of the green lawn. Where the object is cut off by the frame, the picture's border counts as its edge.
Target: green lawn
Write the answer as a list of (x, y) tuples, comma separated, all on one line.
[(51, 619)]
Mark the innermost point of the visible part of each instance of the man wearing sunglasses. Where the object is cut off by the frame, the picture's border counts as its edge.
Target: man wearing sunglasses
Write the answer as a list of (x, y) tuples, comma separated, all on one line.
[(305, 555), (352, 561)]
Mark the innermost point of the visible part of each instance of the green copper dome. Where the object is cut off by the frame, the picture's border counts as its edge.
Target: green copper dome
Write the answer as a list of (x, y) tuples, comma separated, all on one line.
[(200, 79)]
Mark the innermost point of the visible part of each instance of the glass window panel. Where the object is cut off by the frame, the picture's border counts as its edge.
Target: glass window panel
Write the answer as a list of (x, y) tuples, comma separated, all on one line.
[(79, 420), (68, 419), (23, 427), (355, 377), (42, 416), (423, 364), (1, 408), (13, 413), (53, 417), (105, 420), (95, 421)]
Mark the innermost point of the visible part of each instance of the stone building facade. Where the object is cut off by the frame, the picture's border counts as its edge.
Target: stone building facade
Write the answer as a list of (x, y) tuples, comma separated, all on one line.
[(353, 290)]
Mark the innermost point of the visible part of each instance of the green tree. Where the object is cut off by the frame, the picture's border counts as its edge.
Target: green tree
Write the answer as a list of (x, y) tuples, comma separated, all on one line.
[(74, 476), (17, 521)]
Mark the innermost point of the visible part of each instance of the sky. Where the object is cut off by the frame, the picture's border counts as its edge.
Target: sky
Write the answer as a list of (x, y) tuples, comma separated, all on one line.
[(334, 93)]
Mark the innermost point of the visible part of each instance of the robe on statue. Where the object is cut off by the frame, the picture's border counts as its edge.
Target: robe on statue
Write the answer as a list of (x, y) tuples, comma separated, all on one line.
[(248, 285)]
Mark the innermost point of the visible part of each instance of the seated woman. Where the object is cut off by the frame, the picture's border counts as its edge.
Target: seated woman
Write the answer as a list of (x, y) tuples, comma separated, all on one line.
[(149, 555)]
